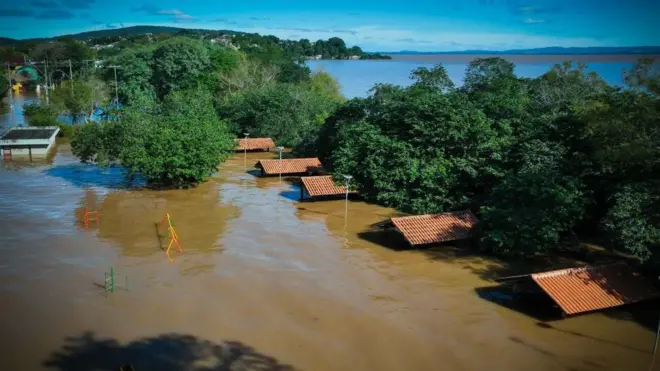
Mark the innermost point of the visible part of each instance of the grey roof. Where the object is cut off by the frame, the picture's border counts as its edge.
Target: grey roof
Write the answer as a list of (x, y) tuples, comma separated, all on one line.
[(18, 134)]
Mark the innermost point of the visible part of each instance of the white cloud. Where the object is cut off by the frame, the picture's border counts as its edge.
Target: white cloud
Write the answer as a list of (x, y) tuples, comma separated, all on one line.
[(170, 12), (533, 20)]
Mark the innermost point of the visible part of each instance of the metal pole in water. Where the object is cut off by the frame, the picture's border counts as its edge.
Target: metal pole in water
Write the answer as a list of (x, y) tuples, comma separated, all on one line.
[(245, 151), (348, 179), (280, 164), (112, 279)]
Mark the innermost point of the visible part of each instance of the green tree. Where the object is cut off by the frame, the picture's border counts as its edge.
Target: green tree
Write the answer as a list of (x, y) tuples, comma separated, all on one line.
[(435, 78), (78, 99), (285, 112), (135, 75), (181, 142), (633, 221), (4, 84), (323, 84), (645, 76), (179, 63), (530, 212), (415, 149)]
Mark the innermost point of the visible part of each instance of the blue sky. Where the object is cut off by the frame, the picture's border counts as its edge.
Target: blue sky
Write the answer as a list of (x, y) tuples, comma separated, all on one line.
[(376, 25)]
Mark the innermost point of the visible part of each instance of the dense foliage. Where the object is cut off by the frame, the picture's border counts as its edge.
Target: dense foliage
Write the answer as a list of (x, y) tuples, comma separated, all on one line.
[(539, 160), (184, 100), (177, 142), (108, 43), (4, 84)]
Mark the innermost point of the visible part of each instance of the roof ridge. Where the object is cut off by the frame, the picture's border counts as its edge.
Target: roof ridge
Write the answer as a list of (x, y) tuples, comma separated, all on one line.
[(573, 270), (435, 214)]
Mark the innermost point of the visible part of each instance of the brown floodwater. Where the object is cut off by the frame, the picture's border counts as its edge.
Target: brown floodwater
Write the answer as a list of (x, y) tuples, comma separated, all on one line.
[(264, 282)]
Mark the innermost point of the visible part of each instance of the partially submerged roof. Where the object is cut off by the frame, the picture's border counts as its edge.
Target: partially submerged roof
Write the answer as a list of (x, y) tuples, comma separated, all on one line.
[(290, 166), (586, 289), (433, 228), (254, 143), (30, 133), (323, 185)]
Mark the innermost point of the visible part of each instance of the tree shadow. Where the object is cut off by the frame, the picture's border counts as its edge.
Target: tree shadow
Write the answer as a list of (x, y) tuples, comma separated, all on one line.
[(85, 175), (167, 352)]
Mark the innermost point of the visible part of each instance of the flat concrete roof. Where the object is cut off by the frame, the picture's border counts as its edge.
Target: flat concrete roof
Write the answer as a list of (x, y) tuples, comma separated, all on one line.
[(28, 133)]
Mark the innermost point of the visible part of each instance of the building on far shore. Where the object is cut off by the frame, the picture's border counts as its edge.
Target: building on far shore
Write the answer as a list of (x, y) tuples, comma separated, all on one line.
[(28, 141)]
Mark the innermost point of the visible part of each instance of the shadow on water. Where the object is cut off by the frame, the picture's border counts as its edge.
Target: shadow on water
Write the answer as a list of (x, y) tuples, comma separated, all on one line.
[(168, 352), (546, 325), (560, 365), (530, 301), (292, 193), (85, 175), (133, 220), (645, 314)]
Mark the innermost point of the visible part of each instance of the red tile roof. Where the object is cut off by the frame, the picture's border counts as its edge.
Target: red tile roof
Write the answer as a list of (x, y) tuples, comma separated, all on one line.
[(578, 290), (435, 228), (323, 186), (254, 143), (290, 166)]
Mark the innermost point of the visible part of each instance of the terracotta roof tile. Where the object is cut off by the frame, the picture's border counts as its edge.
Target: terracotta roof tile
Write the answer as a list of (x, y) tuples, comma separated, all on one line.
[(578, 290), (323, 186), (435, 228), (254, 143), (290, 166)]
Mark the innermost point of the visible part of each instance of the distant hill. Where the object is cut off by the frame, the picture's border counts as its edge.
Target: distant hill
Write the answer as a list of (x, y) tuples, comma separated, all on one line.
[(125, 31), (551, 51), (138, 30)]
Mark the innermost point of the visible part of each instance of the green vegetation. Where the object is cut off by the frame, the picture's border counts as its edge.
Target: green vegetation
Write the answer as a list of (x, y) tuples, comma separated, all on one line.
[(4, 84), (44, 115), (539, 160), (177, 142), (185, 100), (109, 43)]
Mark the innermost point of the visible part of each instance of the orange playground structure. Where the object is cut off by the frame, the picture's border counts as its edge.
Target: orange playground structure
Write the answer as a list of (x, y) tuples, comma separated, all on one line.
[(90, 216), (174, 237)]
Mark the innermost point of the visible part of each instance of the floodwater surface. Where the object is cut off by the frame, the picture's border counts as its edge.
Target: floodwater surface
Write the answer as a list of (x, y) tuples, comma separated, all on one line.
[(264, 282)]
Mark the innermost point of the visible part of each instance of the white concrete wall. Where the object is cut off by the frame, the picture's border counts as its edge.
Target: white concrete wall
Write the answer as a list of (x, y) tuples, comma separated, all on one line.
[(26, 151)]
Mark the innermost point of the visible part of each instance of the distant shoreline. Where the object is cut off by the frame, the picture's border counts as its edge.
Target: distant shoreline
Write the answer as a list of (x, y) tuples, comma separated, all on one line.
[(522, 58)]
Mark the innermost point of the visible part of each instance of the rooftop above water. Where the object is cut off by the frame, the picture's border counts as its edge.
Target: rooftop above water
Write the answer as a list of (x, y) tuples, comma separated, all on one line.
[(30, 133)]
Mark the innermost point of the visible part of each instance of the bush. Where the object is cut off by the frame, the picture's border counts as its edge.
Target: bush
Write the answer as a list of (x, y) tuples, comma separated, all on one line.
[(180, 144)]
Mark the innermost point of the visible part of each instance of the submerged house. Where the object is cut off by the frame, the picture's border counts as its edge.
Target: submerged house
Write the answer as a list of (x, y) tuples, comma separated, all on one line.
[(590, 288), (293, 166), (432, 228), (254, 144), (28, 141), (321, 186)]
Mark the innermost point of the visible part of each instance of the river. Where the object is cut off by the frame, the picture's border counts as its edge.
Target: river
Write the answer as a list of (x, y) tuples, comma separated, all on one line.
[(356, 78), (265, 282)]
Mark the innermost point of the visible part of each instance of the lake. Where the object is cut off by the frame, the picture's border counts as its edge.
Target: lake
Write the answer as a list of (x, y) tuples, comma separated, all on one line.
[(357, 77)]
